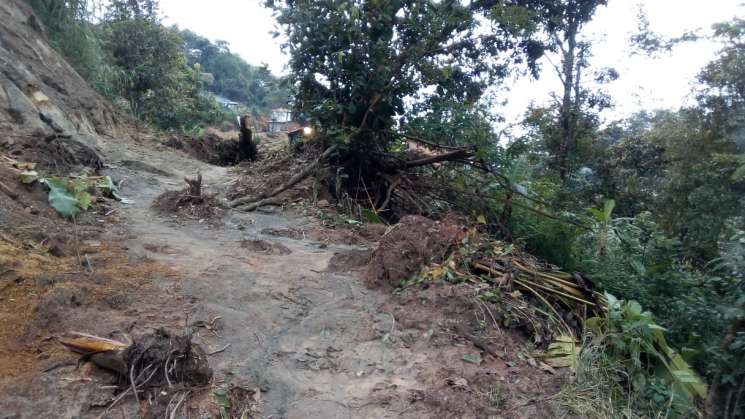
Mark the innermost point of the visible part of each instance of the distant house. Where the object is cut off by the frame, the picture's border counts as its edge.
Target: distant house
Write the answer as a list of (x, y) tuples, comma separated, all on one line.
[(280, 118), (227, 103), (297, 133)]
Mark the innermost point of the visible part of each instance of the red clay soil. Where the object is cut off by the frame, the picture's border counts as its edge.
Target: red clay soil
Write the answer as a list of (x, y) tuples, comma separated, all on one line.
[(412, 244), (508, 385)]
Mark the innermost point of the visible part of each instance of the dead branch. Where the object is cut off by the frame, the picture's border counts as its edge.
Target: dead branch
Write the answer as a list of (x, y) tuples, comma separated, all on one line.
[(252, 204), (477, 341), (392, 184), (453, 155), (427, 143)]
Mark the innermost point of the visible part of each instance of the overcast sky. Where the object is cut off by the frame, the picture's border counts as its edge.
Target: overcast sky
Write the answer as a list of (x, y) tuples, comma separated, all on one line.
[(645, 83)]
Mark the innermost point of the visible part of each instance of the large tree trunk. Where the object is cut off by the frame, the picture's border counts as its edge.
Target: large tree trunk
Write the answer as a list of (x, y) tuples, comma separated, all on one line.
[(566, 112), (246, 146)]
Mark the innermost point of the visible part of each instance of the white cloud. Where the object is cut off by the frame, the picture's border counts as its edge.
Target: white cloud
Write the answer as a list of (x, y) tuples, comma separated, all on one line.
[(245, 24)]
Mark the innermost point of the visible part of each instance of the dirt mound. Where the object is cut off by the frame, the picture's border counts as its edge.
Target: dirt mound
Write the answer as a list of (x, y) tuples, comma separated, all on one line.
[(264, 246), (277, 164), (414, 242), (181, 203), (349, 261), (356, 235), (209, 148)]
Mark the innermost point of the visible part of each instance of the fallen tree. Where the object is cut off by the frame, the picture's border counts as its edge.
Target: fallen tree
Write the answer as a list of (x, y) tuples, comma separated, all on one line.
[(253, 203)]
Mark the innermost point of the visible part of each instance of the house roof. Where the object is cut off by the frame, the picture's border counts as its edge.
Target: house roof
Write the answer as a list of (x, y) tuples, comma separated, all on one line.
[(225, 100)]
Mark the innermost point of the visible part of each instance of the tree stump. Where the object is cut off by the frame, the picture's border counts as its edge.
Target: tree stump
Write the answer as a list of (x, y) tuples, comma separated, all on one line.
[(246, 146), (194, 191)]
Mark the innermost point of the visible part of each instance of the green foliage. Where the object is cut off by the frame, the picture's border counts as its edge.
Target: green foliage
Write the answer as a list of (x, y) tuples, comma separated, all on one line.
[(636, 341), (229, 75), (131, 58), (75, 37), (67, 201), (600, 390), (355, 63), (70, 197), (626, 358)]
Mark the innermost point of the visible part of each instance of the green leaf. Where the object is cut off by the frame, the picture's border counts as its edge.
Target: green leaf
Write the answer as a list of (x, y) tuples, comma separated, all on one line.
[(29, 176), (84, 200), (61, 200), (739, 174), (481, 219), (107, 187), (371, 217), (223, 402)]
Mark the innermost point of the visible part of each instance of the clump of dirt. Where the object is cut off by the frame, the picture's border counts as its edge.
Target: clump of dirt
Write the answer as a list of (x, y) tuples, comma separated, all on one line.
[(264, 246), (414, 242), (210, 148), (52, 154), (181, 203), (352, 260)]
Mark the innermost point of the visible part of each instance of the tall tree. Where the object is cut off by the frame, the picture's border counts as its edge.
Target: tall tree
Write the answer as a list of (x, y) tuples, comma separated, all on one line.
[(356, 63), (118, 10), (565, 22)]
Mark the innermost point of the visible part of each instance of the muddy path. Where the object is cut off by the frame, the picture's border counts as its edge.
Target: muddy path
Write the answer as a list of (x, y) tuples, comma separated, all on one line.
[(304, 337), (310, 340)]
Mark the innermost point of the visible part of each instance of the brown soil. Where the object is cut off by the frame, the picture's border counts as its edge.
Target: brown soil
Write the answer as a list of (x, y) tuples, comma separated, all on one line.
[(508, 385), (180, 203), (210, 148), (413, 243), (363, 235), (352, 260), (264, 246)]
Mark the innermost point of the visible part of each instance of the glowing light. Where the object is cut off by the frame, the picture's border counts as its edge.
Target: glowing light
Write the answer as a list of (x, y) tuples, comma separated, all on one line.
[(307, 130)]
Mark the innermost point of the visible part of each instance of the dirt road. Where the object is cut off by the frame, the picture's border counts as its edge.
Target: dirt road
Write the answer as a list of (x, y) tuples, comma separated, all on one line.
[(309, 339), (303, 340)]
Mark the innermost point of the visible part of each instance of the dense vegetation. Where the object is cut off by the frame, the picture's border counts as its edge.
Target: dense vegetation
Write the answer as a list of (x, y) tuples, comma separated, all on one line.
[(650, 207), (162, 76), (228, 75)]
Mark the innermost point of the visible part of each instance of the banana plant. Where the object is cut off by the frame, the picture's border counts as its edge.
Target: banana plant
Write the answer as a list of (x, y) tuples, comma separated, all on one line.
[(604, 218)]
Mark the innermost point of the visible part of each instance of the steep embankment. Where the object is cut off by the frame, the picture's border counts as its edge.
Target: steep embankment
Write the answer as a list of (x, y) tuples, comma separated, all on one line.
[(46, 109)]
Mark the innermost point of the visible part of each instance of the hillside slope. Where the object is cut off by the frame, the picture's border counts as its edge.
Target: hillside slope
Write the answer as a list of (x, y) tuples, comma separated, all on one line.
[(45, 106)]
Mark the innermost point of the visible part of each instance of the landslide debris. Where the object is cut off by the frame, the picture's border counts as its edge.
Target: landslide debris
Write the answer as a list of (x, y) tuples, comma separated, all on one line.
[(413, 243)]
